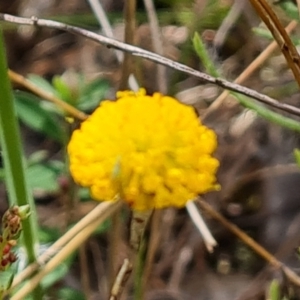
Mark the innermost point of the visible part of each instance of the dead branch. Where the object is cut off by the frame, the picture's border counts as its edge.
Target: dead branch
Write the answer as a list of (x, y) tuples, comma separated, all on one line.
[(136, 51)]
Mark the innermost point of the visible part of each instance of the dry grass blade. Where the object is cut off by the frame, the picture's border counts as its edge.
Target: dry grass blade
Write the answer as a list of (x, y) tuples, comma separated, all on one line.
[(84, 272), (21, 80), (101, 210), (102, 18), (121, 280), (286, 46), (130, 24), (298, 4), (197, 219), (291, 275), (67, 250), (139, 52), (153, 244), (248, 71), (157, 44)]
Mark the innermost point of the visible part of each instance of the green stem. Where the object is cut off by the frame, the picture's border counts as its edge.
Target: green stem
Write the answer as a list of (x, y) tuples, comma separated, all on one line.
[(268, 114), (139, 270), (14, 162), (204, 56)]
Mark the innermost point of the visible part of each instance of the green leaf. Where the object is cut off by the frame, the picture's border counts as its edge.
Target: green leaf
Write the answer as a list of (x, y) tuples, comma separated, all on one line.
[(290, 9), (265, 33), (92, 94), (42, 83), (262, 32), (48, 235), (297, 156), (6, 278), (274, 290), (203, 54), (2, 174), (62, 89), (268, 114), (37, 157), (43, 177), (70, 294), (34, 116), (260, 109)]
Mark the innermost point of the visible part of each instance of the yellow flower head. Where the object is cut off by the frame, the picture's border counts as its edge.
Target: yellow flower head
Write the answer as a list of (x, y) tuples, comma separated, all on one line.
[(152, 151)]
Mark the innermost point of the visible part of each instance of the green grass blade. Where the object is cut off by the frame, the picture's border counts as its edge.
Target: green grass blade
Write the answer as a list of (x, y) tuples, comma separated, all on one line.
[(14, 163), (260, 109)]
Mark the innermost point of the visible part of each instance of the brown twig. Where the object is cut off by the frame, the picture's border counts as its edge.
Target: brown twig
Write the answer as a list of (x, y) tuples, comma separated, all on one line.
[(154, 242), (136, 51), (21, 80), (84, 272), (102, 18), (157, 44), (289, 243), (291, 275), (207, 237), (127, 64), (99, 267), (180, 266), (237, 8), (298, 4), (286, 46), (255, 64), (114, 247), (121, 280)]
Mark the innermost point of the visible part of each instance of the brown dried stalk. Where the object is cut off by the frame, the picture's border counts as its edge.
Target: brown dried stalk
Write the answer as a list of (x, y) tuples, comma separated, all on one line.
[(271, 259), (127, 65), (286, 46), (21, 80), (136, 51), (255, 64), (157, 44), (121, 280)]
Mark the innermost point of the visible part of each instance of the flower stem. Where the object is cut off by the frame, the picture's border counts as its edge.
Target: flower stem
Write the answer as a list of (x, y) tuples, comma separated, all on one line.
[(139, 270)]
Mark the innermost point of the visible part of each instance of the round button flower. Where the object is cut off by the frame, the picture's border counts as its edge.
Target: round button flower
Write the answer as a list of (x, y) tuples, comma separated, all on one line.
[(151, 151)]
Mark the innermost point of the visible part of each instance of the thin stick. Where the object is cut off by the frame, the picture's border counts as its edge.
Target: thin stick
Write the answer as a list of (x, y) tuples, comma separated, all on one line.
[(298, 5), (114, 246), (97, 212), (235, 11), (286, 46), (153, 244), (180, 267), (255, 64), (138, 224), (157, 44), (128, 61), (84, 272), (197, 219), (107, 29), (136, 51), (291, 275), (21, 80), (121, 279)]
